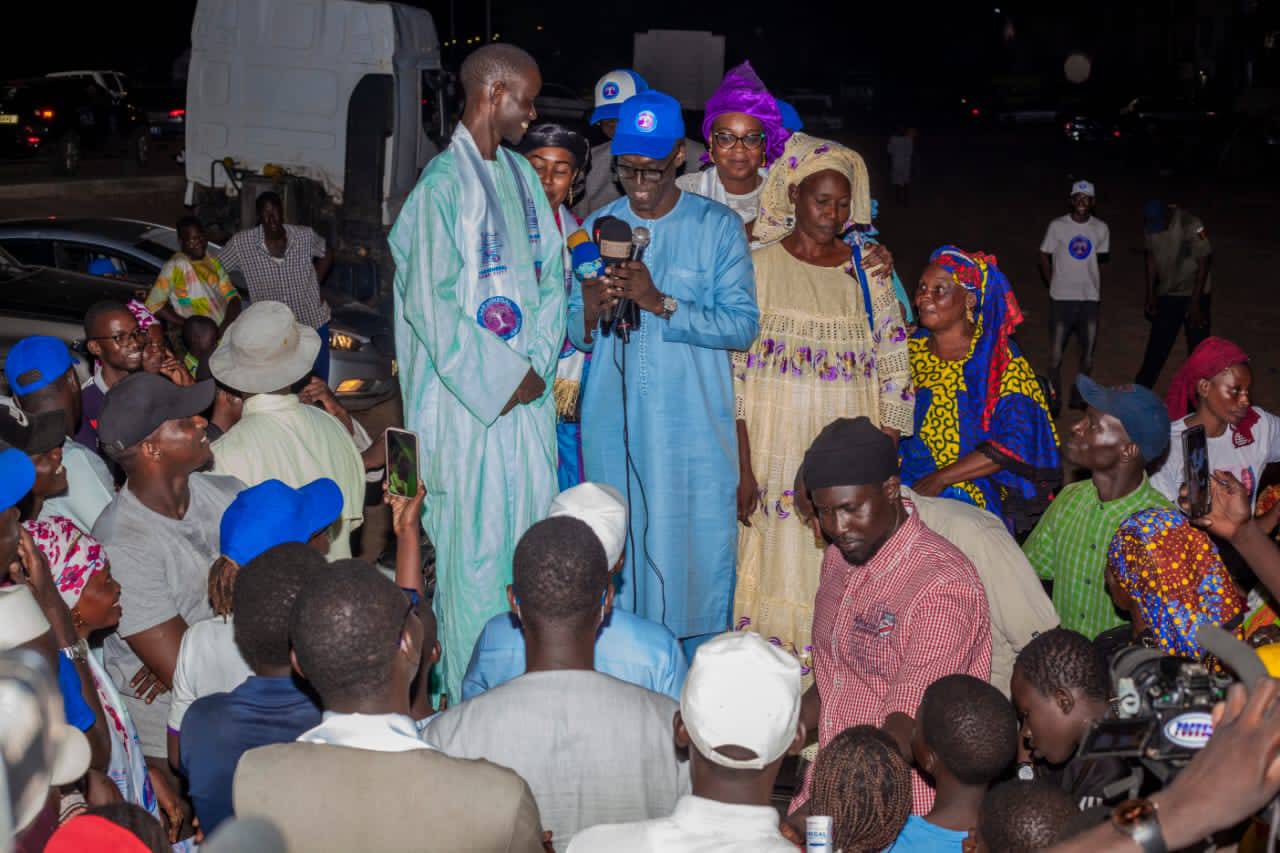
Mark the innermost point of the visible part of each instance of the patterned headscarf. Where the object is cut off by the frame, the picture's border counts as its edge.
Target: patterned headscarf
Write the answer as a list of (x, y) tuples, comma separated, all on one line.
[(1213, 356), (73, 555), (1174, 575), (742, 91), (998, 316), (804, 156), (140, 313)]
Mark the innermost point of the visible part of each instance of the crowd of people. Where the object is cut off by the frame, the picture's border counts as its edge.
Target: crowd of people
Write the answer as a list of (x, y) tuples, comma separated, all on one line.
[(800, 534)]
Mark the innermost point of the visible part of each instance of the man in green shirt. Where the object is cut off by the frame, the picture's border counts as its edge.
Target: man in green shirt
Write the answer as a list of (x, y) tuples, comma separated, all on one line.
[(1122, 430)]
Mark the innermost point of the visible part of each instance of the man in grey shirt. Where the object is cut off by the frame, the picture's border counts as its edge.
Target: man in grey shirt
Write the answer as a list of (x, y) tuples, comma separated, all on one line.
[(593, 749), (161, 532)]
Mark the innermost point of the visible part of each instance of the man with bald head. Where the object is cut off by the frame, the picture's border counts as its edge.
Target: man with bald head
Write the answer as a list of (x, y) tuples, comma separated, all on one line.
[(480, 317)]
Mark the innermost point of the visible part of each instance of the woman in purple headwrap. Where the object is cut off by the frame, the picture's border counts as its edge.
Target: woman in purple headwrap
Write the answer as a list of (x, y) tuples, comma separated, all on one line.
[(744, 134)]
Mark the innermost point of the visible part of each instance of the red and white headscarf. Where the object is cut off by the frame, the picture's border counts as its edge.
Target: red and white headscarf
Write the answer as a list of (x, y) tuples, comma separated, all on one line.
[(73, 555)]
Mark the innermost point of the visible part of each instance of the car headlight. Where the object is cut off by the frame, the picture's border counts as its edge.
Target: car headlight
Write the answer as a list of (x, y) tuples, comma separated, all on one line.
[(343, 341)]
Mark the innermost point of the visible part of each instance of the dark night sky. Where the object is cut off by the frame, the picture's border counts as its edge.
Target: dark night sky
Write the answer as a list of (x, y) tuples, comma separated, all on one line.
[(803, 47), (915, 50)]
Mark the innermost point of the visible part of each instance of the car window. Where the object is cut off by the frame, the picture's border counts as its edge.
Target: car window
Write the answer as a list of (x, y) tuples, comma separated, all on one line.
[(31, 252), (96, 260)]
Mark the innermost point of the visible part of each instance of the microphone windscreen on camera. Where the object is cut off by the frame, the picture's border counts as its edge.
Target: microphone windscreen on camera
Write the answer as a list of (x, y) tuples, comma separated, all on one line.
[(585, 257), (614, 238)]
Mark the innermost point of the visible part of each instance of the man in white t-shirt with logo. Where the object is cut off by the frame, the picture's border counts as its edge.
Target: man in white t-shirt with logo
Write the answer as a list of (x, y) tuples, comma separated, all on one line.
[(1073, 247)]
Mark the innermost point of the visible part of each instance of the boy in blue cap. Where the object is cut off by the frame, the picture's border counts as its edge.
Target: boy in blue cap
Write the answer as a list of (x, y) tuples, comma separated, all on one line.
[(260, 518), (695, 288), (1123, 430), (41, 373)]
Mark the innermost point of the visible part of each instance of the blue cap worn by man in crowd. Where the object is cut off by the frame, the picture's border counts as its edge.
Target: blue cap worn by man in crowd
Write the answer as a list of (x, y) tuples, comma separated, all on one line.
[(35, 362), (649, 125), (271, 513), (1144, 415), (613, 89), (17, 476)]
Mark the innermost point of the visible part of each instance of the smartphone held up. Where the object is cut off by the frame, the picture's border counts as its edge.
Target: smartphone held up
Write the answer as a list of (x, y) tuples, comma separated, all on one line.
[(402, 462)]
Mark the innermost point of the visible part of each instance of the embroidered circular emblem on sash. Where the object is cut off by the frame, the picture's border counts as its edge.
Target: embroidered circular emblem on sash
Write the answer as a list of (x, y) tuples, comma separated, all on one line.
[(501, 316)]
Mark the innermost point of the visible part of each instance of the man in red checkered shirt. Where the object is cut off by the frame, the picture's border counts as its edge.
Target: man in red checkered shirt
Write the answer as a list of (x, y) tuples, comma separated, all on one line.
[(898, 606)]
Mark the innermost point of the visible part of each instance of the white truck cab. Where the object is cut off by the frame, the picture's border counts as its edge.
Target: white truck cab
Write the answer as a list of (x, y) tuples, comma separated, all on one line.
[(334, 104)]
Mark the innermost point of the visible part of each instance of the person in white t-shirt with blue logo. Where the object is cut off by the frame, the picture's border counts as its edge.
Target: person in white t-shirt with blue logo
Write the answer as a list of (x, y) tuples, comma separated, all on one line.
[(1073, 247)]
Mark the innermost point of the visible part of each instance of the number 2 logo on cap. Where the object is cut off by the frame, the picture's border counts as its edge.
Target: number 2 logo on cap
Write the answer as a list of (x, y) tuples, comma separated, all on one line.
[(646, 121)]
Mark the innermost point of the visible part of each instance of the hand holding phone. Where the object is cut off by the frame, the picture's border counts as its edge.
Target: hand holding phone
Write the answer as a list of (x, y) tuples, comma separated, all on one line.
[(1195, 472), (402, 462)]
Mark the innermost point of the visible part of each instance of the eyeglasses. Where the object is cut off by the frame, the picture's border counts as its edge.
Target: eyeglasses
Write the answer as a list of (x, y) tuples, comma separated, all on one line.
[(643, 176), (725, 140), (120, 337)]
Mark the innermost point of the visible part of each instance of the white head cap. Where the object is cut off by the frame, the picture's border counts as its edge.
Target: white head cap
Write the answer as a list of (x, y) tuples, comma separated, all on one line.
[(21, 619), (742, 691), (66, 749), (602, 508), (1082, 188)]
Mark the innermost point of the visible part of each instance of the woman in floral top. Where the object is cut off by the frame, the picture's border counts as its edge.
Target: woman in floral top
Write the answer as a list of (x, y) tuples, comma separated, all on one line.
[(831, 345)]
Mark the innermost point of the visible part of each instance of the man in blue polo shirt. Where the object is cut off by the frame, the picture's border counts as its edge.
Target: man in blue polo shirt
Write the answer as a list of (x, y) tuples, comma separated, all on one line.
[(628, 647), (272, 706)]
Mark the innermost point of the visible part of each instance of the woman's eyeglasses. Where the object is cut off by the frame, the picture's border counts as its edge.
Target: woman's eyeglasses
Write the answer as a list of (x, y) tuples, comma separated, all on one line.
[(725, 140), (643, 176), (119, 338)]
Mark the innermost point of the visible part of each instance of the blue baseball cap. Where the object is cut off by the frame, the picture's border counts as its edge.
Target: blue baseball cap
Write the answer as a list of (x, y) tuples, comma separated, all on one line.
[(790, 118), (649, 125), (1144, 415), (35, 362), (270, 514), (17, 476), (613, 89)]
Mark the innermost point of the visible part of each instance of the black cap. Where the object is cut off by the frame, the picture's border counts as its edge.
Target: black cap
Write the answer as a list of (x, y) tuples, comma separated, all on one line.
[(31, 433), (849, 452), (139, 403)]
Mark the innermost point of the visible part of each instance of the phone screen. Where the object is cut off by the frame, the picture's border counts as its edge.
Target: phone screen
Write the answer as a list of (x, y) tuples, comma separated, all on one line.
[(1195, 453), (402, 463), (1116, 737)]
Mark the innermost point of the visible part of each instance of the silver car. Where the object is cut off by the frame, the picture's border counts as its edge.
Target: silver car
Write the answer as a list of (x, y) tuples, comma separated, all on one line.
[(362, 369)]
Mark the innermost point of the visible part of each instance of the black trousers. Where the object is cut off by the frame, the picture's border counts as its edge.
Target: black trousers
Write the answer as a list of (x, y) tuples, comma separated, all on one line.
[(1067, 318), (1171, 318)]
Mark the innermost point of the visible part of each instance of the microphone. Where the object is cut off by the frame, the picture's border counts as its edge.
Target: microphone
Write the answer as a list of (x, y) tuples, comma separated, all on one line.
[(584, 256), (613, 236), (628, 311)]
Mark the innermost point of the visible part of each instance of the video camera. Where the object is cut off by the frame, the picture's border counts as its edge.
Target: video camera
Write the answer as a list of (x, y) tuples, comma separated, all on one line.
[(1163, 707), (1164, 703)]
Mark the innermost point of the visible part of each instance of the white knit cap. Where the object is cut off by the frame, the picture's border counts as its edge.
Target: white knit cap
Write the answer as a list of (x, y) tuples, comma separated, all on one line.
[(742, 691), (602, 508), (67, 749), (21, 619)]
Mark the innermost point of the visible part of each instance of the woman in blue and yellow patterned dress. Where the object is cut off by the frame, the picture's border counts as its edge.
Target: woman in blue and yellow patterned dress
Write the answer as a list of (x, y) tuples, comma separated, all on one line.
[(983, 433)]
